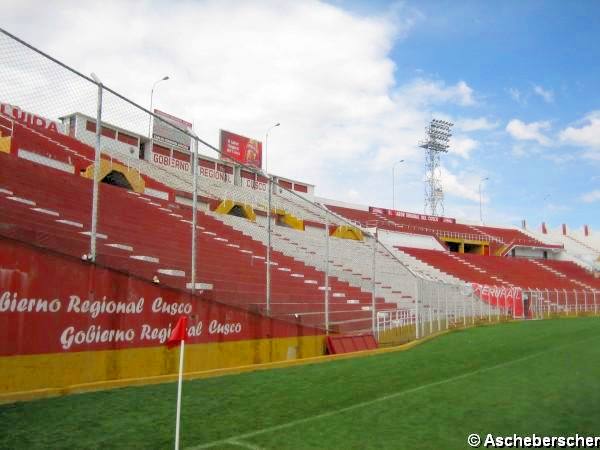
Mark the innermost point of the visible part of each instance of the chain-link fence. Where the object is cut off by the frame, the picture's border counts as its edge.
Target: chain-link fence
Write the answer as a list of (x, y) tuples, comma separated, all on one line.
[(144, 198)]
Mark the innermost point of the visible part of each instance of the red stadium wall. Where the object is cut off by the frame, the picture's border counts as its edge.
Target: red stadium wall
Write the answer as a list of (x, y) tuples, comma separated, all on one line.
[(64, 322)]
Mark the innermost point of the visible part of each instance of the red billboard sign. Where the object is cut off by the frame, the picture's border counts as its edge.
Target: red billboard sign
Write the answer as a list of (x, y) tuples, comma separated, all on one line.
[(241, 149), (95, 308), (507, 299), (408, 215)]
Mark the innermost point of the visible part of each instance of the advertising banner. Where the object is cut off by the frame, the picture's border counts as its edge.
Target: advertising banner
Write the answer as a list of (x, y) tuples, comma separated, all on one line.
[(408, 215), (28, 119), (508, 299), (164, 134), (241, 149), (100, 309)]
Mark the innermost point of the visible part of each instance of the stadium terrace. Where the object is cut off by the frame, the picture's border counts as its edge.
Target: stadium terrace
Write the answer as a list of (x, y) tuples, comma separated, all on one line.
[(104, 203)]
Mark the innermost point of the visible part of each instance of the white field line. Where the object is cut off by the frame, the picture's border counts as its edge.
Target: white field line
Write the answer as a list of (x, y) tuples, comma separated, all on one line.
[(243, 444), (381, 399)]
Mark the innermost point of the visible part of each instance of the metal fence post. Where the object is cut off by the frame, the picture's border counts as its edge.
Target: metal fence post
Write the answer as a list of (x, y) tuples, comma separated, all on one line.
[(194, 211), (374, 286), (268, 286), (327, 277), (430, 320), (95, 193), (576, 303), (446, 306), (585, 301), (498, 311), (439, 323), (456, 310), (595, 305), (417, 298)]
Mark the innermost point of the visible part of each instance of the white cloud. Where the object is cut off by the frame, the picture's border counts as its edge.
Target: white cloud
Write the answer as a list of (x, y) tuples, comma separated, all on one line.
[(432, 92), (516, 95), (587, 135), (591, 197), (325, 74), (529, 131), (547, 96), (464, 185), (462, 146), (519, 150), (557, 156), (560, 158), (478, 124)]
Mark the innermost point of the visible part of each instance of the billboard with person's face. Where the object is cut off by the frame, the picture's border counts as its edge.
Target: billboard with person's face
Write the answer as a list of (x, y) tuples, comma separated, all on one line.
[(241, 149)]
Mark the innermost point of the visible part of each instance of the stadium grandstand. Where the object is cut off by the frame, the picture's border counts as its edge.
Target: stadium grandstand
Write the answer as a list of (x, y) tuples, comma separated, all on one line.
[(108, 233)]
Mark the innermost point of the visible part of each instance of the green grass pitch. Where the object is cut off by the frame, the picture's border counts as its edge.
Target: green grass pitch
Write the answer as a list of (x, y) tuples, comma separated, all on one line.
[(538, 377)]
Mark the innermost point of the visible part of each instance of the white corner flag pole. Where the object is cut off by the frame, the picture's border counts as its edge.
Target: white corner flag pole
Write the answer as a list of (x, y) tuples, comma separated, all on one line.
[(181, 349)]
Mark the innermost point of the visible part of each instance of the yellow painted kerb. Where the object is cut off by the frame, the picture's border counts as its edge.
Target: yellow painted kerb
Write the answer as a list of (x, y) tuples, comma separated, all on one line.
[(31, 376)]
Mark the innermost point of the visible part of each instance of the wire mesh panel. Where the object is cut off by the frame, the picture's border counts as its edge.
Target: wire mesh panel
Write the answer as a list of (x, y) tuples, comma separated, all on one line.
[(169, 208), (52, 111), (35, 92)]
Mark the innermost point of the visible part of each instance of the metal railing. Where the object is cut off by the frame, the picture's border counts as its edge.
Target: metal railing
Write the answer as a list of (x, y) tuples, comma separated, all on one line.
[(314, 273), (546, 303)]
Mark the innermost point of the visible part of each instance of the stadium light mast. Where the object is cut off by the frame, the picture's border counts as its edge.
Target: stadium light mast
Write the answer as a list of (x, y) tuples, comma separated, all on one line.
[(436, 143)]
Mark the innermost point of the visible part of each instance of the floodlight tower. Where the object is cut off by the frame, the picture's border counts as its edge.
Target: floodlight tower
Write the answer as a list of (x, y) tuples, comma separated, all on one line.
[(436, 143)]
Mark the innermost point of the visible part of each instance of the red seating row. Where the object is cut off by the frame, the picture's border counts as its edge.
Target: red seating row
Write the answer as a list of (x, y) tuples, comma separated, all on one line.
[(495, 270), (498, 237), (573, 272), (229, 260)]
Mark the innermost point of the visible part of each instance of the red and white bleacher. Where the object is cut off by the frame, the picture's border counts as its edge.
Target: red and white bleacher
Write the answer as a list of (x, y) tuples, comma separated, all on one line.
[(149, 237)]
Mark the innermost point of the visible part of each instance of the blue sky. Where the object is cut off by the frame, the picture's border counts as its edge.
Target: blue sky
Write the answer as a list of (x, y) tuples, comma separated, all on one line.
[(529, 61), (354, 84)]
